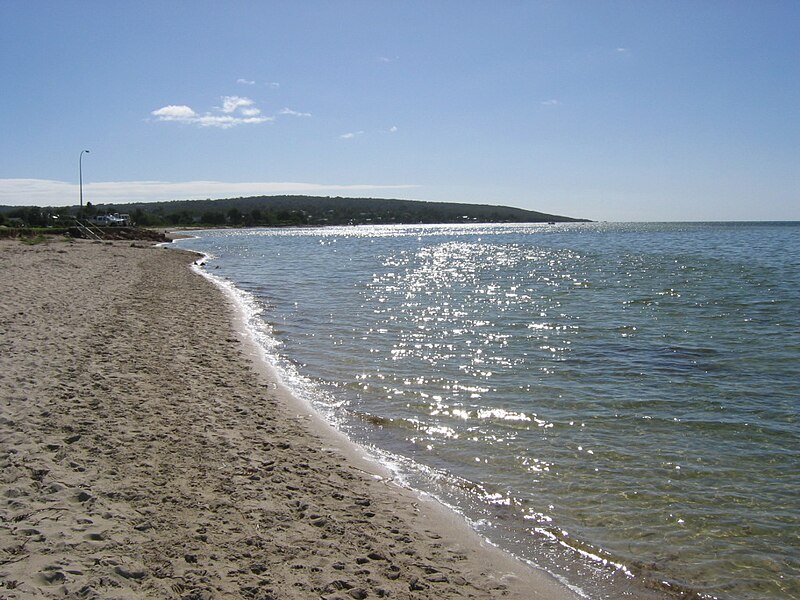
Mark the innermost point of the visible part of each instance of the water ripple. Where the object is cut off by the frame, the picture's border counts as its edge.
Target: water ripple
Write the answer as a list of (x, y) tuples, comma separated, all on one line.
[(617, 402)]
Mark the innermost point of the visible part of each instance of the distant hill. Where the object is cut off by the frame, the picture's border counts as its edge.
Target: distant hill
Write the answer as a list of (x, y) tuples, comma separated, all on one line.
[(307, 210)]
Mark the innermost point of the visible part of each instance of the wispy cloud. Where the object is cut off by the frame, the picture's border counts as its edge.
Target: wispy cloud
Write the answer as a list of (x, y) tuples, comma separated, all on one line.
[(551, 102), (46, 192), (245, 81), (354, 134), (293, 113), (235, 110), (230, 104)]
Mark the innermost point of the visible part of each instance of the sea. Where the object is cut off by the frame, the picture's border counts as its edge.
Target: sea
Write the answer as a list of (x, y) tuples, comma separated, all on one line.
[(615, 403)]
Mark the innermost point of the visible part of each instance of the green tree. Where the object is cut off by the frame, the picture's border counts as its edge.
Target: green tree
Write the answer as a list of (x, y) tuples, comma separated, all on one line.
[(31, 216), (254, 218), (212, 218), (234, 216), (89, 210), (142, 218)]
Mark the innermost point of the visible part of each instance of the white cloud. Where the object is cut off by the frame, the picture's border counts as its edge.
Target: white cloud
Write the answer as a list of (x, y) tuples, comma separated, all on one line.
[(393, 129), (550, 103), (293, 113), (235, 110), (351, 135), (231, 104), (274, 85), (228, 121), (245, 81), (45, 192), (174, 112)]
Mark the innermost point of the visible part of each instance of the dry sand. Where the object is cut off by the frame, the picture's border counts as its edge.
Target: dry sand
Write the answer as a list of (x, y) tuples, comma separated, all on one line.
[(144, 453)]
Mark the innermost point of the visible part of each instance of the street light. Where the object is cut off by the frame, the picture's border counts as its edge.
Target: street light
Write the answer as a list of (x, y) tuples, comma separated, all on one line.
[(80, 173)]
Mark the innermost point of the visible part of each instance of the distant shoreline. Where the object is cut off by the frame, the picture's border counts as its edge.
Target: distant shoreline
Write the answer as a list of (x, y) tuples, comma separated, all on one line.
[(296, 210)]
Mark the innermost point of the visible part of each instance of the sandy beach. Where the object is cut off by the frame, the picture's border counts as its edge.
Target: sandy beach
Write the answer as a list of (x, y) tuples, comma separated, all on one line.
[(146, 452)]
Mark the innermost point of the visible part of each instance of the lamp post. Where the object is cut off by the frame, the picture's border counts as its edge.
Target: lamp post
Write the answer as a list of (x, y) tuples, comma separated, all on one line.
[(80, 174)]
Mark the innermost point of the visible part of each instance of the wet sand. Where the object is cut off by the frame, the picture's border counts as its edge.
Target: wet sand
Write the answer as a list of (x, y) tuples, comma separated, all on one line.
[(147, 452)]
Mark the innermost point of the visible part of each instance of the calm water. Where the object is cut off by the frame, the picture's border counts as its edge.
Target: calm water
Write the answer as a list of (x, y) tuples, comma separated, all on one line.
[(617, 403)]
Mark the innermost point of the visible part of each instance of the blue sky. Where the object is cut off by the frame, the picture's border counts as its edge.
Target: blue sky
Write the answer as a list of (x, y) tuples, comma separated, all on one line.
[(635, 111)]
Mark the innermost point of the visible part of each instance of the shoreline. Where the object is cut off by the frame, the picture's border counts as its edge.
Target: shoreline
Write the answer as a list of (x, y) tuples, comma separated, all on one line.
[(434, 513), (148, 451)]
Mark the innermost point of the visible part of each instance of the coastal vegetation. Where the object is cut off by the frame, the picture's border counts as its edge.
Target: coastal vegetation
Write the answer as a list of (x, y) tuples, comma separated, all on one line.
[(278, 211)]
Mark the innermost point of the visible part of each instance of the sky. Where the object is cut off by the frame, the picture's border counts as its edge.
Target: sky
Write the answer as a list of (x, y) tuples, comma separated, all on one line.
[(608, 110)]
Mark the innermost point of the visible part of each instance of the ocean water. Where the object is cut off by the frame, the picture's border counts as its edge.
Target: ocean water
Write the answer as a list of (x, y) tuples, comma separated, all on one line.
[(616, 403)]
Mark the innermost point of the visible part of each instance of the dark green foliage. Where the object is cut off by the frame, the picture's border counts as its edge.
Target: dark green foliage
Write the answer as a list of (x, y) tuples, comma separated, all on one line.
[(212, 218), (302, 210), (30, 216), (87, 211), (142, 218), (255, 217), (234, 216)]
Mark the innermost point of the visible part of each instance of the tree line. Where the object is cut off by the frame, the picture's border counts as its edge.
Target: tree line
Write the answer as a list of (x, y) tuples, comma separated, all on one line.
[(281, 211)]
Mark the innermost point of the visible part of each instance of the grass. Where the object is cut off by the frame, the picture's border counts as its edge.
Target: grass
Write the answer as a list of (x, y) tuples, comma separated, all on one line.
[(33, 241), (19, 232)]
